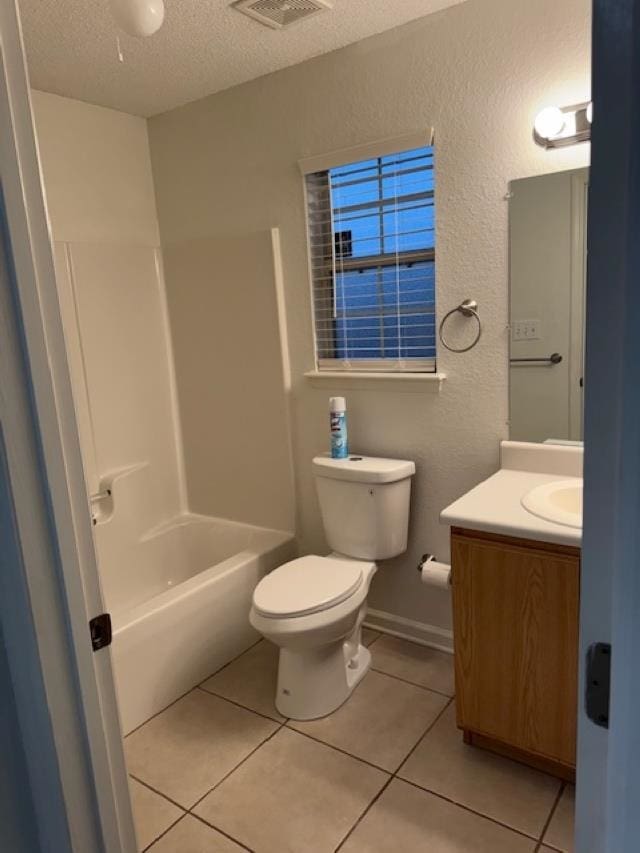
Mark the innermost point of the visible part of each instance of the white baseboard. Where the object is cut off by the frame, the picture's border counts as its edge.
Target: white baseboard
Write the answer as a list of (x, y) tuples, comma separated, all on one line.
[(409, 629)]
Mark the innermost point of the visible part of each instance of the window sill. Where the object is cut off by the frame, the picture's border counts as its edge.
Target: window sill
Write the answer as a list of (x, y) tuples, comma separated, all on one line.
[(430, 383)]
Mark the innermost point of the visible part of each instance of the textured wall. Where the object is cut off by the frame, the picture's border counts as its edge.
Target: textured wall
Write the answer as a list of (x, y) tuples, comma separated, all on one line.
[(478, 73)]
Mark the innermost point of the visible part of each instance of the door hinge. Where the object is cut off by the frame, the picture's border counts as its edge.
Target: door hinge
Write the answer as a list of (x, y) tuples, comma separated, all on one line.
[(598, 680), (100, 630)]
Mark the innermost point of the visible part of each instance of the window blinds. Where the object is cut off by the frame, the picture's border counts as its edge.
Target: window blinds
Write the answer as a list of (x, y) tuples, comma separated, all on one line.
[(372, 256)]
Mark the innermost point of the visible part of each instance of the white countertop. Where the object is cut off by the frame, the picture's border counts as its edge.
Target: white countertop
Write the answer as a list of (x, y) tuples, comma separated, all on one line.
[(494, 506)]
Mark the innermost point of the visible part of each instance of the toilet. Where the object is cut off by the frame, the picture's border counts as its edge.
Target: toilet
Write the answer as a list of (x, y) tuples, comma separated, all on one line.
[(313, 607)]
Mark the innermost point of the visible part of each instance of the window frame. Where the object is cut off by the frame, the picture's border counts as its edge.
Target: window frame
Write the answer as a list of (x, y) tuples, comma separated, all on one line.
[(324, 163)]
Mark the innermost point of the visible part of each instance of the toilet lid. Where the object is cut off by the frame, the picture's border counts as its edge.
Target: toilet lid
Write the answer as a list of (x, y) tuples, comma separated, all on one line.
[(307, 585)]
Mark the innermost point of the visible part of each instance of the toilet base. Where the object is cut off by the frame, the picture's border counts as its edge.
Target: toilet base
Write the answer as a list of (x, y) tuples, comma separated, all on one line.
[(313, 683)]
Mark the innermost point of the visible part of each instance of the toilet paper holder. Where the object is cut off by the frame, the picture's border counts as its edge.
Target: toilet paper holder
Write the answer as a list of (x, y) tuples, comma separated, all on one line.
[(429, 558)]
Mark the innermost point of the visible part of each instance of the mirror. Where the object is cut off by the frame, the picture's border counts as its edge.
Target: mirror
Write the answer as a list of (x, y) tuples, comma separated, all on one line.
[(547, 243)]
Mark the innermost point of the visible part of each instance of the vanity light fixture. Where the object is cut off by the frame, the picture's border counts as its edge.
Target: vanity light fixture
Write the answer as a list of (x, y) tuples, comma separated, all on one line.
[(555, 127)]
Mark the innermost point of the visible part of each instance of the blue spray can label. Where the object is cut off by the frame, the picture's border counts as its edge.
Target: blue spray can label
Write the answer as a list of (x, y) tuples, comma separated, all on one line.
[(338, 425)]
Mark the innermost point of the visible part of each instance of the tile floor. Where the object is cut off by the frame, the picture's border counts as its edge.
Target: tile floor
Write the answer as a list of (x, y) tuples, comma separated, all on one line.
[(221, 771)]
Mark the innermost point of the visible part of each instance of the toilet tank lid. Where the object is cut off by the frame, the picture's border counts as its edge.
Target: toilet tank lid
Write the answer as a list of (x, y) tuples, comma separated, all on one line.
[(363, 469)]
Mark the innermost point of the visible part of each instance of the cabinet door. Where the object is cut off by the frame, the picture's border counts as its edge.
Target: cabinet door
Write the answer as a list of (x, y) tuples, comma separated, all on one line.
[(516, 644)]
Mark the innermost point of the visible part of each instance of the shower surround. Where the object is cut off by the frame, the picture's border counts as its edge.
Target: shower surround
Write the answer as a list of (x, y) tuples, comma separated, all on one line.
[(178, 554)]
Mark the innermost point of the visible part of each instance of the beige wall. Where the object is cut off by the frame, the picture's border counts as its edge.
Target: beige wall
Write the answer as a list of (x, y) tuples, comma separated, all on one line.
[(101, 204), (226, 166), (222, 303)]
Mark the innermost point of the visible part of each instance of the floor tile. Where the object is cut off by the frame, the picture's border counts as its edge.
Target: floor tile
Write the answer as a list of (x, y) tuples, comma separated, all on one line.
[(369, 635), (409, 820), (192, 836), (152, 814), (250, 680), (380, 722), (494, 786), (293, 795), (187, 749), (419, 664), (560, 831)]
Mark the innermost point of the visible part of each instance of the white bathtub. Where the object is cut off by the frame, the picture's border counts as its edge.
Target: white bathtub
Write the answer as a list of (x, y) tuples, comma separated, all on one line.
[(179, 604)]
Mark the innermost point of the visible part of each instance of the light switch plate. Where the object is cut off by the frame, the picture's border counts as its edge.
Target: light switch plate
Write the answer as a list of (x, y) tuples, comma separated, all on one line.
[(526, 330)]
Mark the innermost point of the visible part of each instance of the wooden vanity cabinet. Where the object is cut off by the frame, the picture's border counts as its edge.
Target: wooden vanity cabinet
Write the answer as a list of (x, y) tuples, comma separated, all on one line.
[(515, 612)]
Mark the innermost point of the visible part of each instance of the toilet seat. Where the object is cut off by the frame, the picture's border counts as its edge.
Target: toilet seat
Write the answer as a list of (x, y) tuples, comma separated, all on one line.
[(307, 585)]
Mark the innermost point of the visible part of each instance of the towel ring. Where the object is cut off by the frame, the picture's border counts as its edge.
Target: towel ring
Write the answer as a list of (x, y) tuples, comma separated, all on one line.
[(468, 308)]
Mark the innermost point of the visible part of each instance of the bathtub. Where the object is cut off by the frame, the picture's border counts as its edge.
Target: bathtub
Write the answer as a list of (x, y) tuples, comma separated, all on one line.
[(179, 599)]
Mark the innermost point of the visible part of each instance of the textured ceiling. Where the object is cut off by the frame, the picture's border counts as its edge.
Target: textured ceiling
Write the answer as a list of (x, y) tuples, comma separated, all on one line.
[(204, 46)]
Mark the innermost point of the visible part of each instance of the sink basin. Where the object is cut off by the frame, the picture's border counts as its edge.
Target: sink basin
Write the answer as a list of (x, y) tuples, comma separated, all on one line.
[(559, 501)]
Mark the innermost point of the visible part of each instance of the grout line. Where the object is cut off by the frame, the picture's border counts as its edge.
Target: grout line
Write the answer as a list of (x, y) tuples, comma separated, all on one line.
[(233, 770), (229, 662), (221, 831), (240, 705), (162, 834), (159, 793), (394, 775), (375, 639), (391, 777), (190, 690), (364, 813), (188, 811), (157, 714), (421, 738), (468, 809), (338, 749), (413, 683), (554, 808)]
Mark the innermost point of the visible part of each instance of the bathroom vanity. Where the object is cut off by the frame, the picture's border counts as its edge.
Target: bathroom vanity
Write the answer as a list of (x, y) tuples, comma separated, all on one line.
[(516, 588), (515, 606)]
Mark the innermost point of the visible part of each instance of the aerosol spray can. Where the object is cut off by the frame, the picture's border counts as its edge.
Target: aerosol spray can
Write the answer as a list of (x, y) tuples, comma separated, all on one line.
[(338, 425)]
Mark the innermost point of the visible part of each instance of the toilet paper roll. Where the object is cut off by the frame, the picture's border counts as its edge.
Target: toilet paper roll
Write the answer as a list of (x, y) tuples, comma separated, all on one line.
[(436, 574)]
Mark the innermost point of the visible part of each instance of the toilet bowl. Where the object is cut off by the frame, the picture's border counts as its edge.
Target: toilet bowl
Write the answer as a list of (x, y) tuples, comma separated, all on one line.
[(313, 607)]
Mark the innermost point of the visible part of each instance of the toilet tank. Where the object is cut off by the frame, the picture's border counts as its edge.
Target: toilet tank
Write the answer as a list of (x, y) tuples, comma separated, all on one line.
[(364, 503)]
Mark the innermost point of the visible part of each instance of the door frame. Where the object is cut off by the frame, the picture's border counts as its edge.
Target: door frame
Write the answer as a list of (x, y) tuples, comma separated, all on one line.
[(64, 691), (579, 219), (607, 814)]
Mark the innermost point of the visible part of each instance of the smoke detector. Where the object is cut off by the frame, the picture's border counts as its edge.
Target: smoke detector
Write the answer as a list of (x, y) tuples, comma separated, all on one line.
[(278, 14)]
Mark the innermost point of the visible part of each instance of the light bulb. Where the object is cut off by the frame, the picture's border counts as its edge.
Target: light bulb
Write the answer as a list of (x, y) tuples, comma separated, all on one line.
[(549, 122), (138, 17), (589, 112)]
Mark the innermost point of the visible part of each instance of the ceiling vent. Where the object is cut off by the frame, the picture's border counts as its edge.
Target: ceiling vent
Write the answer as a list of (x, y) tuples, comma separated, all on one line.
[(278, 14)]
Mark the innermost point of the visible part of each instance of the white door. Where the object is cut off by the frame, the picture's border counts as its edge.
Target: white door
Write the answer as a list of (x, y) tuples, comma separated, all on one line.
[(63, 690), (608, 792)]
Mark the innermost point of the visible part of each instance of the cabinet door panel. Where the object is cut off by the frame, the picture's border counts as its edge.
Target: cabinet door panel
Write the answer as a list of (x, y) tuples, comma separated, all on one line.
[(516, 641)]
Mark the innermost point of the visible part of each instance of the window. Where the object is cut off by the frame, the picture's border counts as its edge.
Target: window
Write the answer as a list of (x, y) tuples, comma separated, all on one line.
[(372, 253)]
